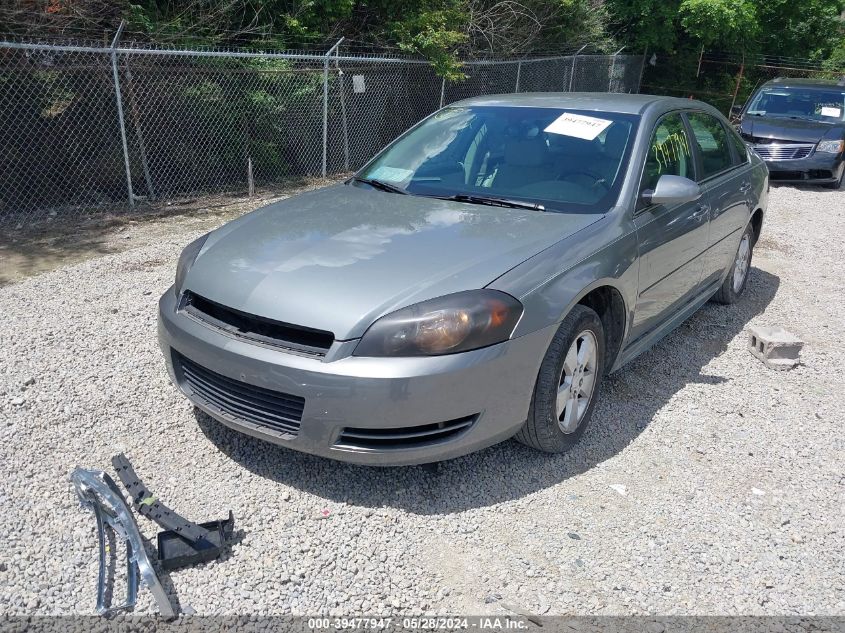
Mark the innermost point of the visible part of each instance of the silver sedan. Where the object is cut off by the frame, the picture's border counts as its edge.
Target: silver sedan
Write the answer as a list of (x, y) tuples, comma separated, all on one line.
[(472, 283)]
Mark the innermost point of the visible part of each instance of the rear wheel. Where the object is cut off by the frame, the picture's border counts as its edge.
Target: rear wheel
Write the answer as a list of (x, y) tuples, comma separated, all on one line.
[(567, 385), (734, 284)]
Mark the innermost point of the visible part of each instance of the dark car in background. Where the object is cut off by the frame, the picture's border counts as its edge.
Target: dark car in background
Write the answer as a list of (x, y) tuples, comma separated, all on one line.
[(798, 127)]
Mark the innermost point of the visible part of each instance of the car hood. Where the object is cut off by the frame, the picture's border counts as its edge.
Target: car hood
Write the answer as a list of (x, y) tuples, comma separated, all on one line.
[(763, 128), (338, 258)]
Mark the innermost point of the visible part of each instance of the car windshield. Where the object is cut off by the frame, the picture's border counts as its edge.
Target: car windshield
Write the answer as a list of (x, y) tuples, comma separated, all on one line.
[(560, 160), (817, 105)]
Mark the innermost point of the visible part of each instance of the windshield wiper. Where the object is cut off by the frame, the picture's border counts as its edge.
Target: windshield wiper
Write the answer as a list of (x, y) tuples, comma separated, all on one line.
[(380, 185), (493, 201)]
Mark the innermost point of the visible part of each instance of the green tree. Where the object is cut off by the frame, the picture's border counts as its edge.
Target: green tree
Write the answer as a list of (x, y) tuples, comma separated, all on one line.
[(728, 24), (810, 29)]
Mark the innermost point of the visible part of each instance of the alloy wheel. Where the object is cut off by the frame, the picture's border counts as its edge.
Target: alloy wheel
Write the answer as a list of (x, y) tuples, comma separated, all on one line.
[(743, 257), (577, 381)]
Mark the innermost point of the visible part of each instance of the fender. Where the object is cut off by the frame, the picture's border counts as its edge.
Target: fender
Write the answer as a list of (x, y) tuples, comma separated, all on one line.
[(605, 253)]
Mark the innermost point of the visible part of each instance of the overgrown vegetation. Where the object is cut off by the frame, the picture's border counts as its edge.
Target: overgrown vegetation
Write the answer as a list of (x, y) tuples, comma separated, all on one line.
[(445, 30)]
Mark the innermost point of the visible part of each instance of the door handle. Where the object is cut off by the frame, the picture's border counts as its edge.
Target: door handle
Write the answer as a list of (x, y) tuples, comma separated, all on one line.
[(745, 187), (700, 210)]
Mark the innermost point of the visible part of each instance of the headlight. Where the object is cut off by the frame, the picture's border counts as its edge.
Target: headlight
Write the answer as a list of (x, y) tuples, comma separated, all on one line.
[(186, 260), (830, 147), (455, 323)]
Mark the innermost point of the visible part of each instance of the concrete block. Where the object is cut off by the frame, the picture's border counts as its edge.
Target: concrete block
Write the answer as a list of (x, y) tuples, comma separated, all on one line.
[(777, 348)]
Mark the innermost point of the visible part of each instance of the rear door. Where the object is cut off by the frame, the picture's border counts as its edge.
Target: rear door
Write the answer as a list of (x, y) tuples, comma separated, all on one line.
[(671, 238), (725, 177)]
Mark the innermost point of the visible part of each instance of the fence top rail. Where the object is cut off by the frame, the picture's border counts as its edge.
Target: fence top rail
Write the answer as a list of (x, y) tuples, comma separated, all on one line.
[(293, 55), (767, 61), (181, 52)]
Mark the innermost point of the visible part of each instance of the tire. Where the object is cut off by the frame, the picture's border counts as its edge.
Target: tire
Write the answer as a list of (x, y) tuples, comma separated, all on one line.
[(543, 429), (730, 291)]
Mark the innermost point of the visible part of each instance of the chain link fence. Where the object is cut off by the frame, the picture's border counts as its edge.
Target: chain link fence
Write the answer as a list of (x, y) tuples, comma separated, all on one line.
[(86, 128), (724, 79)]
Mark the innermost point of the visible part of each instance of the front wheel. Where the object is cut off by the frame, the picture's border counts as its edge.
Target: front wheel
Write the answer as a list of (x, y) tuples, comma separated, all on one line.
[(734, 284), (567, 385)]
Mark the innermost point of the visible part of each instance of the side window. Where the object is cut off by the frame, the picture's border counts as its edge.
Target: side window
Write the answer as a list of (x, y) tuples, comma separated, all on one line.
[(713, 144), (739, 145), (668, 152)]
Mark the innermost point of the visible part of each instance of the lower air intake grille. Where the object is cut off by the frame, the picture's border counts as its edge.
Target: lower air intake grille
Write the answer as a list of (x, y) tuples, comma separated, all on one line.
[(240, 401), (403, 437)]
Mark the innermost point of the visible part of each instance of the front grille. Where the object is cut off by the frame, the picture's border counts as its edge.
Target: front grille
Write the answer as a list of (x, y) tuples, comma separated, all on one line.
[(239, 401), (403, 437), (791, 151), (257, 329)]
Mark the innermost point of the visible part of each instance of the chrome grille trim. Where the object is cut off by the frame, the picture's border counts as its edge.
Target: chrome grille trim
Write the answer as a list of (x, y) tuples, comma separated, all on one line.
[(784, 151), (393, 438)]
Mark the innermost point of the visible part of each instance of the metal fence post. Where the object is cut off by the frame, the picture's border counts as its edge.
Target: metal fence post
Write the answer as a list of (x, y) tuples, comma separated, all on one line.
[(642, 70), (572, 70), (139, 133), (326, 104), (612, 69), (442, 91), (340, 77), (738, 81), (518, 72), (119, 99)]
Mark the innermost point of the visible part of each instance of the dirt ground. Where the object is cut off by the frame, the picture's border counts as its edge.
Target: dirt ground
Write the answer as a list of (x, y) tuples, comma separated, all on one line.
[(33, 248)]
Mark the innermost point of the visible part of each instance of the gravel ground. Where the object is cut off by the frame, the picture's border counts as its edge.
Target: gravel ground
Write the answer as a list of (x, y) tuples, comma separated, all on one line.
[(706, 485)]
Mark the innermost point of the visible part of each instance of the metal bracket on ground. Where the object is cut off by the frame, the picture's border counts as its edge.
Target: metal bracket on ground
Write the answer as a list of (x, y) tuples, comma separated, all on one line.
[(99, 493)]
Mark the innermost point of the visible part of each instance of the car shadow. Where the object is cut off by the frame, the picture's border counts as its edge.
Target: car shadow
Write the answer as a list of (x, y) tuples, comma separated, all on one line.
[(629, 400), (800, 186)]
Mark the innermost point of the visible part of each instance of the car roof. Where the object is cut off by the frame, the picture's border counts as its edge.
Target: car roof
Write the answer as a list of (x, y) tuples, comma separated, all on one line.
[(812, 84), (621, 103)]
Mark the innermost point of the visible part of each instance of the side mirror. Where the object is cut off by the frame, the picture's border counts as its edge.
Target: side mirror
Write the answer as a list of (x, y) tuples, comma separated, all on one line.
[(736, 110), (672, 190)]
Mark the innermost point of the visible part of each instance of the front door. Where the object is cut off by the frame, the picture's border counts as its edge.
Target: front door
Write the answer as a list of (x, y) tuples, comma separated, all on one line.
[(671, 238)]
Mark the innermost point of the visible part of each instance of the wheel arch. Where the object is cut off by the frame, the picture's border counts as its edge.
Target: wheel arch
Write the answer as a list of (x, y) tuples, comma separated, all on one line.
[(608, 302), (757, 223)]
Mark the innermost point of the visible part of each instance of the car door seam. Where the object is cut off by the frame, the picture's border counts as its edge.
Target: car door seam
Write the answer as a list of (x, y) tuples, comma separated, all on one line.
[(704, 252)]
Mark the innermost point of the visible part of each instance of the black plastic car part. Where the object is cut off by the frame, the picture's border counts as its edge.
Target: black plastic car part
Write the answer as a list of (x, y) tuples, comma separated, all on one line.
[(175, 552), (183, 542), (147, 504)]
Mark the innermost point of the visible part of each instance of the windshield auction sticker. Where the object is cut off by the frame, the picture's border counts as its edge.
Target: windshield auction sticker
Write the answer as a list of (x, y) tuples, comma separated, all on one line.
[(826, 111), (390, 174), (578, 125)]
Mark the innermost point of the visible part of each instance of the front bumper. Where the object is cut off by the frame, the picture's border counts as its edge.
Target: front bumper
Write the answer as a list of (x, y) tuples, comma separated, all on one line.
[(815, 169), (494, 385)]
